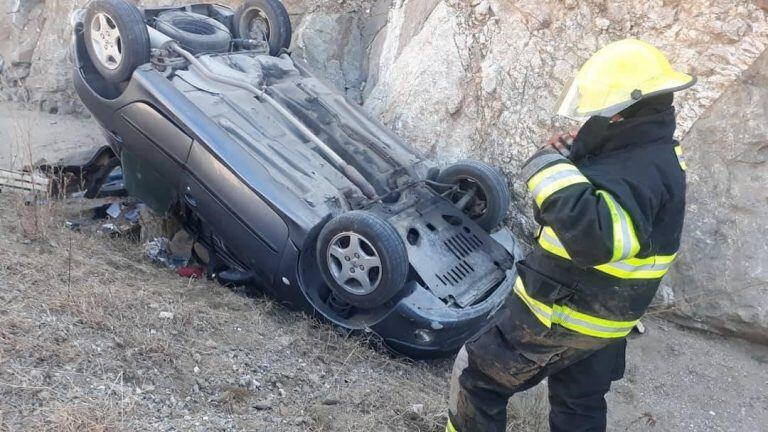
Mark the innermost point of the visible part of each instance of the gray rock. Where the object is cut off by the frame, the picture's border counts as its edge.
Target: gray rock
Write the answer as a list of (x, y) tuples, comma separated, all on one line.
[(332, 44), (456, 86), (721, 277), (262, 406)]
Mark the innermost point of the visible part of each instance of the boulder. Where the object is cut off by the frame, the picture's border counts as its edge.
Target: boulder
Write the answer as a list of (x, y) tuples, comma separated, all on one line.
[(720, 281)]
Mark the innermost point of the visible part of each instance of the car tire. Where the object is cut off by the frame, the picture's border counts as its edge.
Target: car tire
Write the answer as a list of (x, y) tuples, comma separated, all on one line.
[(264, 19), (194, 32), (490, 204), (116, 38), (359, 246)]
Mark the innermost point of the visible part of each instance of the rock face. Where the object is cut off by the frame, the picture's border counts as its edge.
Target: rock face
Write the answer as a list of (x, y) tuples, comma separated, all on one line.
[(721, 279), (479, 78)]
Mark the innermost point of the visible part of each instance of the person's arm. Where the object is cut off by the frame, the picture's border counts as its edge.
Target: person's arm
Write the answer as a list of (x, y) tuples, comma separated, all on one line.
[(590, 223)]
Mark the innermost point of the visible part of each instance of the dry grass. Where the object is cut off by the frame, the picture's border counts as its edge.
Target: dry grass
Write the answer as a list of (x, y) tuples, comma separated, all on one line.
[(83, 347), (529, 411)]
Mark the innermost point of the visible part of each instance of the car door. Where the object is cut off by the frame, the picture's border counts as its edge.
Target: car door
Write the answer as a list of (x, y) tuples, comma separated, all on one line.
[(153, 154), (249, 228)]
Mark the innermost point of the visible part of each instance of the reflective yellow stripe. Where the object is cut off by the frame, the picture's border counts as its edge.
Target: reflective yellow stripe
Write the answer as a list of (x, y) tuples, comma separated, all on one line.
[(590, 325), (654, 267), (559, 176), (552, 179), (625, 242), (572, 319), (547, 172), (549, 241), (680, 157), (449, 427), (539, 309)]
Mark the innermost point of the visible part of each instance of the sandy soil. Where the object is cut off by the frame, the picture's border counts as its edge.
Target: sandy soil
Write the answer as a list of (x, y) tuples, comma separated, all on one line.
[(95, 338)]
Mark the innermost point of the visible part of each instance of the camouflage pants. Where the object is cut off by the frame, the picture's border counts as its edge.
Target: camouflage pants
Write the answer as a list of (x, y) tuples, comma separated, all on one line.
[(514, 353)]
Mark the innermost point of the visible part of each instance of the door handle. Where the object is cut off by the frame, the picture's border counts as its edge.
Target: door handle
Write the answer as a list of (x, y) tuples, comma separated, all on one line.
[(188, 198)]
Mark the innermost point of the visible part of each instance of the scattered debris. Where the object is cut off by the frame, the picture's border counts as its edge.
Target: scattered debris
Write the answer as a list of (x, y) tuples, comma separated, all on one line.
[(113, 210), (417, 409), (175, 254), (109, 217), (157, 251), (262, 406), (87, 173), (193, 272)]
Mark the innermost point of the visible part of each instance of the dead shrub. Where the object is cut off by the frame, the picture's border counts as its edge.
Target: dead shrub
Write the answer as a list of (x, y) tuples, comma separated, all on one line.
[(80, 418)]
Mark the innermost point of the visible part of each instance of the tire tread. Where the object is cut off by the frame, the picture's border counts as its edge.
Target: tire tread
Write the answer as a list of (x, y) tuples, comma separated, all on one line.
[(133, 32), (497, 192), (388, 244)]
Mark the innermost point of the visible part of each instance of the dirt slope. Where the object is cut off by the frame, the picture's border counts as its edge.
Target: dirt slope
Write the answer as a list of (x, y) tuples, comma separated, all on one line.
[(95, 338), (118, 344)]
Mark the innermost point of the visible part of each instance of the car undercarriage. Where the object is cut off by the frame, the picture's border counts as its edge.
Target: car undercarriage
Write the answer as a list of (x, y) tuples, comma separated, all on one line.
[(288, 182)]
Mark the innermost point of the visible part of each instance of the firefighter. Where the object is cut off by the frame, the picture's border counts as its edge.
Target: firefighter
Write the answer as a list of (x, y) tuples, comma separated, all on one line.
[(610, 206)]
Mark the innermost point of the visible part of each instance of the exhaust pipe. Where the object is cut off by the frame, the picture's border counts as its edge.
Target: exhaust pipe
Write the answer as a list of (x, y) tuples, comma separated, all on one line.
[(349, 171)]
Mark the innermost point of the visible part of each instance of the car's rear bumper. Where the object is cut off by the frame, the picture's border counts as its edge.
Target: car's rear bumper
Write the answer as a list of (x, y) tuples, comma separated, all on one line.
[(422, 326), (419, 324)]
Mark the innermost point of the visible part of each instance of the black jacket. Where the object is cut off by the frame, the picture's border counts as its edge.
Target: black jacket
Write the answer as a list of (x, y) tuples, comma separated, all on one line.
[(611, 219)]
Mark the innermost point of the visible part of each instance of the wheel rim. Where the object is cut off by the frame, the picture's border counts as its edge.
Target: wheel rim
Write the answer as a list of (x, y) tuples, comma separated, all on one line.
[(256, 25), (470, 198), (354, 263), (106, 41)]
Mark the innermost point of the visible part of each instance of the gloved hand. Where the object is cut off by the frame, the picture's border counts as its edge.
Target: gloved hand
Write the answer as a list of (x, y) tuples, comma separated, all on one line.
[(558, 147), (562, 143)]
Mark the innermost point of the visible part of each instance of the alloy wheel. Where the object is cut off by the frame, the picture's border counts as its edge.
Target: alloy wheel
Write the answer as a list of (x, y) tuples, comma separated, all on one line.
[(354, 263), (106, 41)]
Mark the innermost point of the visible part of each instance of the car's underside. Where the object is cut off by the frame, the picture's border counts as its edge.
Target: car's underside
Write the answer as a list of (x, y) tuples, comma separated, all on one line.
[(248, 120)]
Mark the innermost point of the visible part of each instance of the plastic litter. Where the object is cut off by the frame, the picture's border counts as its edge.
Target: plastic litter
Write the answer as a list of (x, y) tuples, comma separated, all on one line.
[(193, 272), (157, 251), (115, 219), (114, 210)]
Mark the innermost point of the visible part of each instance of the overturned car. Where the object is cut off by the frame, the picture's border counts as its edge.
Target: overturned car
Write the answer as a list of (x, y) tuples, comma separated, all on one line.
[(286, 181)]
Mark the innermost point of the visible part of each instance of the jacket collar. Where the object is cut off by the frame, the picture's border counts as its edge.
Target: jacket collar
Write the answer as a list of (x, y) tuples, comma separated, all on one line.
[(598, 136)]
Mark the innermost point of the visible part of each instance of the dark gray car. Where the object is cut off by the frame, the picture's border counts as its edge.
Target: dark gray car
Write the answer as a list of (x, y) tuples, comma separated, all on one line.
[(286, 181)]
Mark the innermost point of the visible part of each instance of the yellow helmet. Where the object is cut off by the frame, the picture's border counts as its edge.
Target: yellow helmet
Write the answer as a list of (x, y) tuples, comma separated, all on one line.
[(617, 76)]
